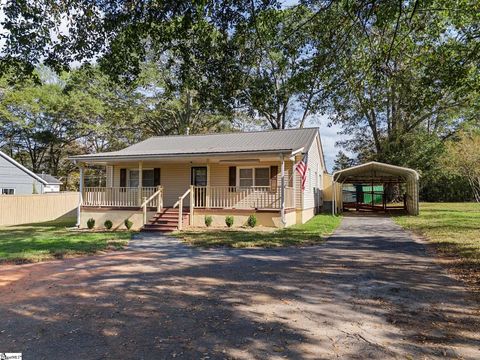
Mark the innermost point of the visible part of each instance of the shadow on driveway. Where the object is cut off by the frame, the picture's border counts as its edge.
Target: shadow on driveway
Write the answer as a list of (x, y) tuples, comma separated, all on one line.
[(369, 292)]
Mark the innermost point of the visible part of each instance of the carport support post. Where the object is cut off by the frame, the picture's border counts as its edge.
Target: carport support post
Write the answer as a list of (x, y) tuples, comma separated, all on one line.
[(80, 196), (282, 191)]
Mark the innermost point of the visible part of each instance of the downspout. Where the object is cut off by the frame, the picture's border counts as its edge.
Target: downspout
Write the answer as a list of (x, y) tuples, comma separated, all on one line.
[(80, 197), (282, 192)]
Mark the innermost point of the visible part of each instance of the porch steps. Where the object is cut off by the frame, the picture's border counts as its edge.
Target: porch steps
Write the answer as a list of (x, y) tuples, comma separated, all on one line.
[(166, 221)]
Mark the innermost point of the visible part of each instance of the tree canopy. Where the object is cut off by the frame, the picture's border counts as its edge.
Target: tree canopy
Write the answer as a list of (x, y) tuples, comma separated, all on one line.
[(401, 78)]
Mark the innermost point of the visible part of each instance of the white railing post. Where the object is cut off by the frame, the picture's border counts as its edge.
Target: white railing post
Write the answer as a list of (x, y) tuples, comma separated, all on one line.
[(207, 197), (180, 212), (140, 181), (282, 190), (160, 198), (80, 197), (144, 210), (192, 204)]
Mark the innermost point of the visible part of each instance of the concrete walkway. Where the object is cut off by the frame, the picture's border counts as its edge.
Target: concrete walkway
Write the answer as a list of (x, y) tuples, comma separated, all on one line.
[(370, 292)]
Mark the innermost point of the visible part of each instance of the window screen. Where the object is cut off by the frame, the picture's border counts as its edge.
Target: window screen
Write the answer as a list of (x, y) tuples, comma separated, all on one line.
[(262, 177), (246, 177)]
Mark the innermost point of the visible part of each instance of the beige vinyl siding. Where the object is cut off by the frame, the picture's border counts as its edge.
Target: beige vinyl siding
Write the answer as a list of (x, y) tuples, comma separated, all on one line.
[(219, 172), (314, 167), (297, 184), (175, 178)]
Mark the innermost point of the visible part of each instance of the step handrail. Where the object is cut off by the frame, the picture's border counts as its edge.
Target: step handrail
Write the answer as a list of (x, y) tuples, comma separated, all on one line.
[(180, 198), (179, 203), (146, 201)]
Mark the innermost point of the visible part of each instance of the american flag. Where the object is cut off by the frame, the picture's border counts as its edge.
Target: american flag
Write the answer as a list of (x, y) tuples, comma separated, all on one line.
[(301, 167)]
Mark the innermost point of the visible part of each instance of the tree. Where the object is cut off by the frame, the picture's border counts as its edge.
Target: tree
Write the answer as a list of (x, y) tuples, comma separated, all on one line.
[(280, 79), (117, 123), (39, 123), (401, 77), (462, 157), (171, 106), (45, 120), (342, 161), (33, 33)]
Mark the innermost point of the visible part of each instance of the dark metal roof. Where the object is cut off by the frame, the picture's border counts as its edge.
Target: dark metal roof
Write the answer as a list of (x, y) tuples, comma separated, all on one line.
[(225, 143)]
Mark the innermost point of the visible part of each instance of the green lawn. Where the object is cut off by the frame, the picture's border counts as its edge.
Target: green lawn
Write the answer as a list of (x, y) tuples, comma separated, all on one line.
[(312, 232), (455, 230), (49, 240)]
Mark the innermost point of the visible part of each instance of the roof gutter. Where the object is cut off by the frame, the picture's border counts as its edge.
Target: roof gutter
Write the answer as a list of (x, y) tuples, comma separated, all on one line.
[(82, 158)]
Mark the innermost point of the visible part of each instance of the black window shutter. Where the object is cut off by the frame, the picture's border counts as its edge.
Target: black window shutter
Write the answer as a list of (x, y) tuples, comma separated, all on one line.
[(123, 177), (156, 176), (232, 176), (273, 177)]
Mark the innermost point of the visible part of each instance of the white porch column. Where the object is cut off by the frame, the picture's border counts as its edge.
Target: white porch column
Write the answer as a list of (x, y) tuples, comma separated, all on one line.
[(80, 196), (282, 191), (207, 192), (140, 182), (334, 195)]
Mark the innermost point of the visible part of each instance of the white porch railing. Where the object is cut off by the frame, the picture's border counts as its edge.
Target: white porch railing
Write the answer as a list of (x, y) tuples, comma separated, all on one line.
[(118, 196), (214, 197), (233, 197)]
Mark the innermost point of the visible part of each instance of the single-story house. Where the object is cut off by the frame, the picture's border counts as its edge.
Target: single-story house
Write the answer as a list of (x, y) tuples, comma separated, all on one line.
[(16, 179), (171, 182)]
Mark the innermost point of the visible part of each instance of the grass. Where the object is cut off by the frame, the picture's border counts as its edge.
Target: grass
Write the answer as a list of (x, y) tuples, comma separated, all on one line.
[(312, 232), (51, 240), (454, 229)]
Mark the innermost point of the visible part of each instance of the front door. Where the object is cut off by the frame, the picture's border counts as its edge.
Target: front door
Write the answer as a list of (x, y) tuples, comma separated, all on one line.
[(199, 178)]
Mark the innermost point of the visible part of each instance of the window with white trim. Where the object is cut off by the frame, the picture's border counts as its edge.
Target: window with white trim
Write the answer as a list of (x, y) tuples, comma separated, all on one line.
[(8, 191), (148, 178), (254, 176)]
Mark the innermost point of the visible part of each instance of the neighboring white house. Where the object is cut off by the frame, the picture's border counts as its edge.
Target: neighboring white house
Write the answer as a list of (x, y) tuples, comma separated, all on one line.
[(53, 184), (16, 179)]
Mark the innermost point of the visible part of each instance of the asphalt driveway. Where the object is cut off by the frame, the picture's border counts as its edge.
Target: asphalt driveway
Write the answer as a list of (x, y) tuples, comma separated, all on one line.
[(370, 292)]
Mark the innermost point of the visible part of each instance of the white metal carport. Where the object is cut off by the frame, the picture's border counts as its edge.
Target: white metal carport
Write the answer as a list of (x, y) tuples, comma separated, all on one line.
[(379, 173)]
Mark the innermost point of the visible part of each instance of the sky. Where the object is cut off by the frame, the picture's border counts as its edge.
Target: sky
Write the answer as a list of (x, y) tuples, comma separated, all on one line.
[(329, 136)]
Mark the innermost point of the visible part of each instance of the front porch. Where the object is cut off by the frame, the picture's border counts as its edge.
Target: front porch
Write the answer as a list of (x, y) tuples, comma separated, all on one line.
[(191, 207)]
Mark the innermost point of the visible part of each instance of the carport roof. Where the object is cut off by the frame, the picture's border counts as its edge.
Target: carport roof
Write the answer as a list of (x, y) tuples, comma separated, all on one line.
[(375, 172)]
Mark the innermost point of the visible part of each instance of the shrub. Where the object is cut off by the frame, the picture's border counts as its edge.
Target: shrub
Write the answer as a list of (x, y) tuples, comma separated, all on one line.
[(91, 223), (128, 224), (252, 221), (229, 221), (208, 221), (108, 224)]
